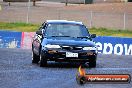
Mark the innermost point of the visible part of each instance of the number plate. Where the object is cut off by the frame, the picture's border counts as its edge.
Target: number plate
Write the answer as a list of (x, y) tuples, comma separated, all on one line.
[(69, 54)]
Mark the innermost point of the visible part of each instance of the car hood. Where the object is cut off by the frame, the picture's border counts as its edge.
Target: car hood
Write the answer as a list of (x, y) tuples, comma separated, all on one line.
[(68, 41)]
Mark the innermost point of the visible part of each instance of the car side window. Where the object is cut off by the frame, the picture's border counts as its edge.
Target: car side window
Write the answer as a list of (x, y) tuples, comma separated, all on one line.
[(40, 28), (44, 27)]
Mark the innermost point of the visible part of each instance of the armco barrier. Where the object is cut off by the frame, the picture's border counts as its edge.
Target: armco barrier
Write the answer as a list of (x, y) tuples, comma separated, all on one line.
[(106, 45)]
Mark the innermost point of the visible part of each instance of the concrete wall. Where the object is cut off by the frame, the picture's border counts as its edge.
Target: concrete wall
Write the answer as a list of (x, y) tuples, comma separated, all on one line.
[(94, 1), (106, 1), (71, 1), (19, 0)]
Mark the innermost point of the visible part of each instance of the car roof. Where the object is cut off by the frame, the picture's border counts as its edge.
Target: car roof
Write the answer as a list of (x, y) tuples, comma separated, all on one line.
[(64, 21)]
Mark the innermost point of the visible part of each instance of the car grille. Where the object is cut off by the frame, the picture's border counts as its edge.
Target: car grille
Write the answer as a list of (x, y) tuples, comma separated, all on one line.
[(71, 48)]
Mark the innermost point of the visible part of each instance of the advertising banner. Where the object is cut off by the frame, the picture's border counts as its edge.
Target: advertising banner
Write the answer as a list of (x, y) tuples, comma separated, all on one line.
[(114, 45), (10, 39), (105, 44)]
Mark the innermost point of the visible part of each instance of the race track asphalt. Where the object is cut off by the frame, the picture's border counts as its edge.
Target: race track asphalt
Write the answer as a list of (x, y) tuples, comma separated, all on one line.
[(17, 71)]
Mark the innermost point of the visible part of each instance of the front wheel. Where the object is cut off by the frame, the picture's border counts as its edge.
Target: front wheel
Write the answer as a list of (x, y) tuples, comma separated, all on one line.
[(43, 61), (92, 64), (35, 58)]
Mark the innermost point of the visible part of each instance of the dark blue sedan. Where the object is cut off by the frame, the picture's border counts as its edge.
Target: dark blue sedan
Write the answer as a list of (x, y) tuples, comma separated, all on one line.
[(62, 40)]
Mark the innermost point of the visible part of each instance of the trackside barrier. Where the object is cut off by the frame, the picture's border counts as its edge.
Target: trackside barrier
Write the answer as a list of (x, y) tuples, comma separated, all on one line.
[(105, 44), (10, 39), (114, 45), (27, 39)]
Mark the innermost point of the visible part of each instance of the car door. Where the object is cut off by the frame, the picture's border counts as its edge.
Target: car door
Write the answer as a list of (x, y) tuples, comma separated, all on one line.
[(37, 40)]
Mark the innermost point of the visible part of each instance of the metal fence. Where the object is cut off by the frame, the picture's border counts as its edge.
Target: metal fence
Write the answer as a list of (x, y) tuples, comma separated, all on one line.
[(99, 19), (38, 14)]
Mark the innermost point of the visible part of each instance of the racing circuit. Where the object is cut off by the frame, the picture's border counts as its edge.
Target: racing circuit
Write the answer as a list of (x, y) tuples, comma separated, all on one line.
[(17, 71)]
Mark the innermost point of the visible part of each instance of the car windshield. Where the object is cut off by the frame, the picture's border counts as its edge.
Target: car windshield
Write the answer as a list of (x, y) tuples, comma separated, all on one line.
[(66, 30)]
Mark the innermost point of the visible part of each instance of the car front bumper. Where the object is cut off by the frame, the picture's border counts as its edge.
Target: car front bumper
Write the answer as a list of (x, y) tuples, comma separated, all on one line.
[(60, 55)]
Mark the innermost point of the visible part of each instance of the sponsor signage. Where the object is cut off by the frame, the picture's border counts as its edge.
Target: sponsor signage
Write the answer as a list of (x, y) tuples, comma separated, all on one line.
[(105, 44), (114, 45), (10, 39), (83, 78)]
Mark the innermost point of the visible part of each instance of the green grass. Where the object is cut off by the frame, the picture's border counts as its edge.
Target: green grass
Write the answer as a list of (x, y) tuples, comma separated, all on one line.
[(23, 27), (111, 32)]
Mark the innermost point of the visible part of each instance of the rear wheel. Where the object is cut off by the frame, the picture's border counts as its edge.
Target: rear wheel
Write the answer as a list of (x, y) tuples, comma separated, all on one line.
[(35, 58), (43, 61)]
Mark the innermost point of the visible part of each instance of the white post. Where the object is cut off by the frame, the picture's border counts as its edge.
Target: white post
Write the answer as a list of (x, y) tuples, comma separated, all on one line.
[(91, 18), (124, 24), (59, 14), (84, 1), (0, 8), (28, 10), (124, 18)]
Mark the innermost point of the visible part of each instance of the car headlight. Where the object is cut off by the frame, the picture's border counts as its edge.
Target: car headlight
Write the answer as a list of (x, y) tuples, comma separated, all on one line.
[(89, 48), (52, 46)]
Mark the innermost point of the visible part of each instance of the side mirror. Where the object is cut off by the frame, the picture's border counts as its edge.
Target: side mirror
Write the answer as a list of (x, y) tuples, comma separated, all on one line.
[(93, 35), (39, 32)]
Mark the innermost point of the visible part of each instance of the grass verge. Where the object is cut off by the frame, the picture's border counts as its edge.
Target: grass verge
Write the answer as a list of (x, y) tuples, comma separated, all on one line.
[(23, 27), (111, 32)]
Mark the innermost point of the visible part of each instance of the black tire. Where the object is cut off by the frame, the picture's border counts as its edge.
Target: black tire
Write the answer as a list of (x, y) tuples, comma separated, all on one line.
[(35, 58), (43, 61), (92, 63)]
